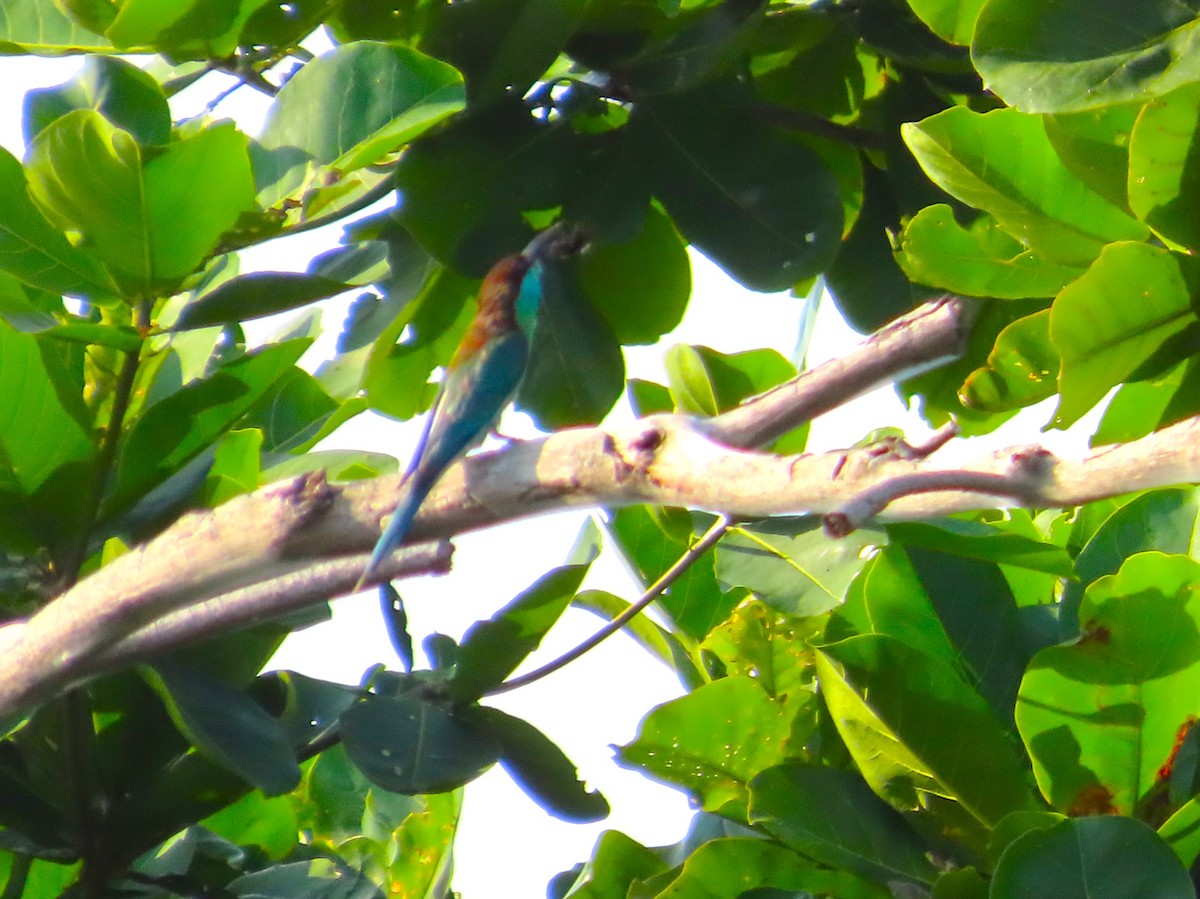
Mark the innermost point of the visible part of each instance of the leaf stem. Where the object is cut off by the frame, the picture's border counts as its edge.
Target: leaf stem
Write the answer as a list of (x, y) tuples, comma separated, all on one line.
[(668, 577)]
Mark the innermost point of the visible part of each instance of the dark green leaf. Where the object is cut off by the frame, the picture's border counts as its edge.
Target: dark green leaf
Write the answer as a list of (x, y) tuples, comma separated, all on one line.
[(502, 46), (491, 650), (464, 189), (408, 745), (227, 726), (977, 540), (695, 601), (576, 371), (1098, 857), (254, 295), (539, 767), (894, 706), (865, 281), (694, 50), (833, 817), (297, 412), (759, 203), (173, 431)]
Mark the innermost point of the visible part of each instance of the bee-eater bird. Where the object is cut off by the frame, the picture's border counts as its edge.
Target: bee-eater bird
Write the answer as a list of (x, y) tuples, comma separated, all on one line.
[(482, 376)]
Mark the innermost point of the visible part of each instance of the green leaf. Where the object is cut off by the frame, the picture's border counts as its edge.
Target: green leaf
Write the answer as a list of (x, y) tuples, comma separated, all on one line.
[(951, 20), (894, 706), (1003, 163), (760, 204), (1140, 407), (1100, 715), (981, 260), (117, 337), (1182, 832), (539, 767), (236, 467), (737, 866), (1022, 368), (865, 280), (1099, 857), (691, 387), (227, 726), (832, 816), (986, 542), (385, 96), (176, 429), (961, 883), (46, 444), (126, 96), (322, 877), (408, 745), (617, 863), (297, 412), (888, 598), (1164, 172), (1095, 146), (770, 646), (1115, 317), (695, 601), (466, 187), (791, 564), (91, 177), (1082, 54), (940, 389), (640, 287), (712, 742), (491, 650), (42, 27), (696, 49), (397, 376), (1162, 520), (35, 251), (269, 824), (652, 638)]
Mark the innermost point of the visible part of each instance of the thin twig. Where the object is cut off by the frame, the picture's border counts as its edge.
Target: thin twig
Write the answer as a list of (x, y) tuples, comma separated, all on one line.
[(672, 574)]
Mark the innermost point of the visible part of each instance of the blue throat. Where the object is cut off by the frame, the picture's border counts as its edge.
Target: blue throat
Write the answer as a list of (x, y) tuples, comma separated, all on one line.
[(529, 298)]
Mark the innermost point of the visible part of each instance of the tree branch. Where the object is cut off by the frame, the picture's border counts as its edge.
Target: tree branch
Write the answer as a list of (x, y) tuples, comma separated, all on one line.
[(317, 533), (227, 567)]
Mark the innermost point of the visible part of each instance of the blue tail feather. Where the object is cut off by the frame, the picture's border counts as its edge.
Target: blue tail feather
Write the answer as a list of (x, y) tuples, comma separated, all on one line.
[(398, 528)]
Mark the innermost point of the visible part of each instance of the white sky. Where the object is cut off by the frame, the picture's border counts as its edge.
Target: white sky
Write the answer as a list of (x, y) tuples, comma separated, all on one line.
[(599, 699)]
